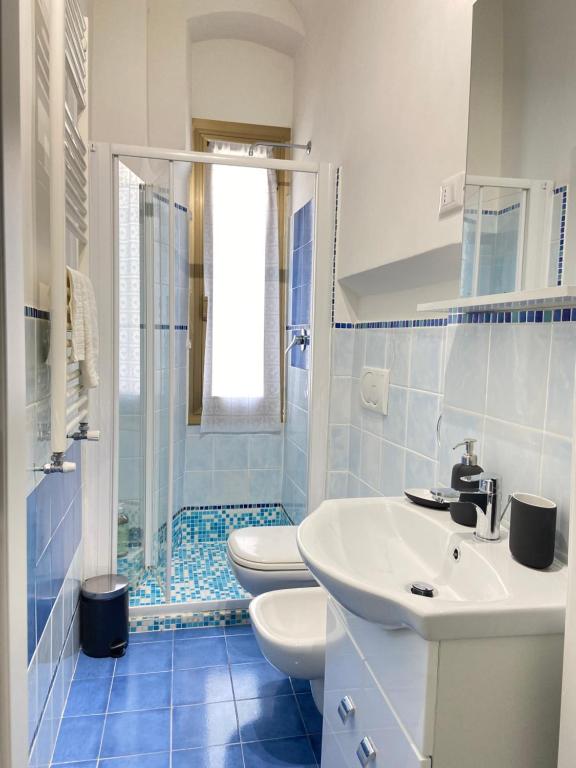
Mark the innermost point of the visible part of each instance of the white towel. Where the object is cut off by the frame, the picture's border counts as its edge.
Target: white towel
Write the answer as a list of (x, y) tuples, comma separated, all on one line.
[(84, 321)]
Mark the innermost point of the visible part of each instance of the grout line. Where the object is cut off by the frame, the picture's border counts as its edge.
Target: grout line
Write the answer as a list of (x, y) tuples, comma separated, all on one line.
[(106, 712)]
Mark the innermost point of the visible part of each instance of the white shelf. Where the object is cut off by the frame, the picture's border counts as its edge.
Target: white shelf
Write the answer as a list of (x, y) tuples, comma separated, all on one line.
[(542, 298)]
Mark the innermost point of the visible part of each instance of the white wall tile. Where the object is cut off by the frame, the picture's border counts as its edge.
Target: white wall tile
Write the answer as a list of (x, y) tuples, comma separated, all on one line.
[(375, 354), (338, 447), (392, 462), (394, 423), (199, 452), (466, 366), (420, 472), (426, 359), (517, 375), (198, 488), (231, 487), (342, 351), (561, 379), (370, 459), (337, 487), (555, 485), (266, 451), (265, 485), (340, 400), (355, 458), (513, 452), (398, 355), (423, 413), (231, 451)]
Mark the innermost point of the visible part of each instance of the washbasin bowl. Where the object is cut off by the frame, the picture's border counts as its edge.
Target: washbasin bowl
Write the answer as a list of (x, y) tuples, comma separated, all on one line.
[(367, 553)]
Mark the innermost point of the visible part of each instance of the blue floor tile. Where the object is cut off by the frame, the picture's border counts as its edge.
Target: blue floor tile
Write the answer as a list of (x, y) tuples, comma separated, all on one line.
[(79, 738), (145, 657), (89, 667), (213, 757), (316, 742), (243, 649), (208, 652), (239, 629), (309, 711), (258, 679), (88, 696), (160, 760), (82, 764), (202, 686), (136, 733), (163, 636), (194, 633), (300, 686), (279, 753), (277, 717), (149, 691), (204, 725)]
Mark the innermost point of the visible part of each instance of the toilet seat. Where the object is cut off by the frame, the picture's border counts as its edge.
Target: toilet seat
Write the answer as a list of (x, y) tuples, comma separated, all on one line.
[(271, 548), (267, 558)]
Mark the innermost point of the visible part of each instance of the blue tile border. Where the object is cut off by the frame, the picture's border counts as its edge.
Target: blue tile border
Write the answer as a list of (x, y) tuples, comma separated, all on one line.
[(501, 317), (562, 239), (231, 617)]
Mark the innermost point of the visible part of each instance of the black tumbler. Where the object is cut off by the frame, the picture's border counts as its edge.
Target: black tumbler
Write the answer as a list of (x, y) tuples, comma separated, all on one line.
[(532, 530)]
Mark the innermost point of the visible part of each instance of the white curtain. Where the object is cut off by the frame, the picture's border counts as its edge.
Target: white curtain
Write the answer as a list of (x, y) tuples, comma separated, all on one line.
[(241, 277)]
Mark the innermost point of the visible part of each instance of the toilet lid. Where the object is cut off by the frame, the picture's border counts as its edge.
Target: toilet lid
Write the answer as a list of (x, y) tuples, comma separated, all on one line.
[(271, 548)]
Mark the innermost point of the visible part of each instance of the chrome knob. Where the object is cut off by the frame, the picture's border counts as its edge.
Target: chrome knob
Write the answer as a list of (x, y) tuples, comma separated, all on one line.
[(346, 708), (366, 752)]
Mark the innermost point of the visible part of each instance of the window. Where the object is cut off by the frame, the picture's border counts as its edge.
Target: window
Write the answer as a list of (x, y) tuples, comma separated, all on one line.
[(238, 278)]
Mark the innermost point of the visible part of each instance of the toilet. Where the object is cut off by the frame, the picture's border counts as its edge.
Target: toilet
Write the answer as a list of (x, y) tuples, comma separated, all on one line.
[(290, 627), (266, 558), (288, 612)]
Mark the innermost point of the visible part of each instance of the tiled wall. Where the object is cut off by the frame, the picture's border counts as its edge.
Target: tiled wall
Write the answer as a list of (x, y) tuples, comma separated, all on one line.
[(232, 469), (300, 280), (510, 385), (53, 531)]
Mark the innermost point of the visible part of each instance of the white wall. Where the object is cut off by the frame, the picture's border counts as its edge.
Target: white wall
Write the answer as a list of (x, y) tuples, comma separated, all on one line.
[(384, 93), (143, 78), (118, 92), (240, 81)]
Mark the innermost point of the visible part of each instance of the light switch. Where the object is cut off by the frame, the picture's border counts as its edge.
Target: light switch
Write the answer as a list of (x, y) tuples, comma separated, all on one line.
[(374, 386), (452, 194)]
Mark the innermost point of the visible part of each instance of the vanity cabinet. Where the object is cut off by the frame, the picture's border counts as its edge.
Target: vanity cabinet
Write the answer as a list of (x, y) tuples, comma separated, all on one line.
[(395, 700)]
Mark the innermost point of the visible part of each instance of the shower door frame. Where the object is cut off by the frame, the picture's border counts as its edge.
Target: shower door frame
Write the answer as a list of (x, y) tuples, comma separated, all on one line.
[(319, 380)]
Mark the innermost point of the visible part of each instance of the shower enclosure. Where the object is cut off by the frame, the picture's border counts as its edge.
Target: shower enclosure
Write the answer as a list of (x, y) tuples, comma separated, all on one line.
[(181, 488)]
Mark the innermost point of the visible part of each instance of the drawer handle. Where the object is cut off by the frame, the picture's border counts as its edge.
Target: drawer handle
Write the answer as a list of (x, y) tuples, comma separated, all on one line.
[(346, 708), (366, 752)]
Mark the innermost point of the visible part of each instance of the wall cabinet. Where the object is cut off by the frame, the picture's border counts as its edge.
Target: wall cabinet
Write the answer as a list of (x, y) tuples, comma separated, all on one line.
[(395, 700)]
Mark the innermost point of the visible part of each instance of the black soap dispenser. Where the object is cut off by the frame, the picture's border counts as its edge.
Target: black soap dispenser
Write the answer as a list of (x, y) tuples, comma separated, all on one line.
[(464, 510)]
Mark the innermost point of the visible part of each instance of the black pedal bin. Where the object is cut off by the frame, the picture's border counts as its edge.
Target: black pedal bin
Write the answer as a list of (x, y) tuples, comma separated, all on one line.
[(104, 616)]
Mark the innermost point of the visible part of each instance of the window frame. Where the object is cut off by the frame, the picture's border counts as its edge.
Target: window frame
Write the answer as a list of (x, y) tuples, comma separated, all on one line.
[(203, 132)]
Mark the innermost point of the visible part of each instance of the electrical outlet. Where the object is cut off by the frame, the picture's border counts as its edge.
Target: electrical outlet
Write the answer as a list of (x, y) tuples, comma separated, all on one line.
[(452, 194)]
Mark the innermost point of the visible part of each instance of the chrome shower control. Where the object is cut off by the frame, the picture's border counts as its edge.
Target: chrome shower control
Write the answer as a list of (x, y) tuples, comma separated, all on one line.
[(366, 752), (346, 708)]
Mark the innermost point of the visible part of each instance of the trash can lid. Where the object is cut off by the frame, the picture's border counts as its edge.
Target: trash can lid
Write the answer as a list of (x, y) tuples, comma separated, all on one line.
[(105, 587)]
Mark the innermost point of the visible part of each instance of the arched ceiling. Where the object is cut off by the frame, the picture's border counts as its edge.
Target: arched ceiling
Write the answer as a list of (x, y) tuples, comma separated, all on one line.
[(273, 23)]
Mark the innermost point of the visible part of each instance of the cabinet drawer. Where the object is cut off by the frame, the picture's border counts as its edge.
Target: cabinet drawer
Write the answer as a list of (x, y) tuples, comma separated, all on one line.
[(405, 667), (347, 675)]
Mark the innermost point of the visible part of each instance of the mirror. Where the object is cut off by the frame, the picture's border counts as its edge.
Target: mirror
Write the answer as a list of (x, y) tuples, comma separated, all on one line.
[(522, 130)]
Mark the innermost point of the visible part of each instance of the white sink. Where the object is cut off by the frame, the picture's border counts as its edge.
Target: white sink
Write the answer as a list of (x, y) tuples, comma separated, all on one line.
[(368, 552)]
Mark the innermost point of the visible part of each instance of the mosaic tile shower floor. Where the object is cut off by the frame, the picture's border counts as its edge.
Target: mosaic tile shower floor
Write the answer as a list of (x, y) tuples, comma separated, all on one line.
[(200, 698), (200, 570)]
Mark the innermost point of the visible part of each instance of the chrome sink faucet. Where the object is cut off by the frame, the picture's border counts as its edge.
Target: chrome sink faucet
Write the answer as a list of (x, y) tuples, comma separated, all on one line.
[(488, 521)]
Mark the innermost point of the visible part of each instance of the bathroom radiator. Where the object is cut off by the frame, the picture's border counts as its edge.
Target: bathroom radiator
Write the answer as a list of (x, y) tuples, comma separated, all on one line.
[(67, 81)]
